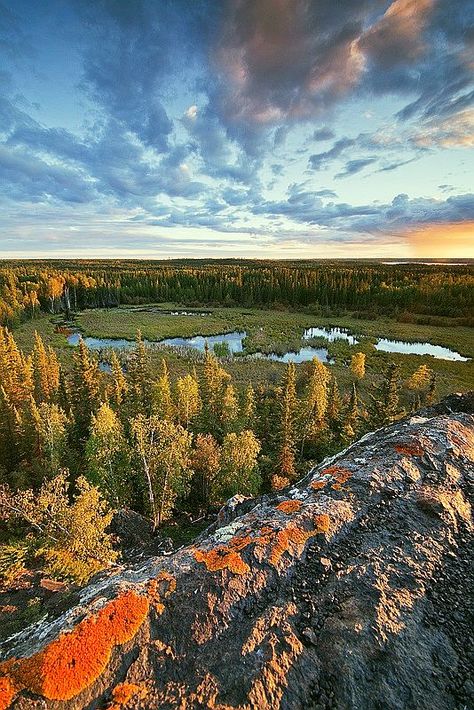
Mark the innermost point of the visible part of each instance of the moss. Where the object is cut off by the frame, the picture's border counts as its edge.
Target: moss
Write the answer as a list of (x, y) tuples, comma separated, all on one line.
[(289, 506), (77, 658)]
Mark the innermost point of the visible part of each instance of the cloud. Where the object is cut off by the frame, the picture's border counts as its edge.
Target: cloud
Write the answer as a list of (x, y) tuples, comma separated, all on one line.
[(323, 134), (320, 160), (355, 166), (398, 37)]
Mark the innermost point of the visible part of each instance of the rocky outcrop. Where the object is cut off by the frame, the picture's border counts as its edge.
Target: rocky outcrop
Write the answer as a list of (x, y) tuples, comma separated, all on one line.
[(350, 589)]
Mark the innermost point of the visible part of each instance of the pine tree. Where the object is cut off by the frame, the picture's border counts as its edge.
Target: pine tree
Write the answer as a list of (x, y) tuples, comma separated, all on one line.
[(431, 394), (45, 371), (315, 403), (333, 410), (384, 405), (139, 379), (249, 408), (216, 398), (352, 416), (230, 408)]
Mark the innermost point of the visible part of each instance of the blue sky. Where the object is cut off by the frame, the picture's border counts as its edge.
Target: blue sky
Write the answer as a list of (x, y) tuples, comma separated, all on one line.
[(259, 128)]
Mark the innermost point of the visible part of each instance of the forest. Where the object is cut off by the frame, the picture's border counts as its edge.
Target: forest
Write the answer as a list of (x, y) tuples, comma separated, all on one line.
[(79, 442), (414, 292)]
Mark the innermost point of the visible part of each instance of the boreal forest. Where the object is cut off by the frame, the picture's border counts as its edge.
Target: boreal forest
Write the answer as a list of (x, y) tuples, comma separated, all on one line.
[(172, 433)]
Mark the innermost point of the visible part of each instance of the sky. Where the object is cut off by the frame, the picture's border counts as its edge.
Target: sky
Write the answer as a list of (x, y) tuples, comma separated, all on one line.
[(237, 128)]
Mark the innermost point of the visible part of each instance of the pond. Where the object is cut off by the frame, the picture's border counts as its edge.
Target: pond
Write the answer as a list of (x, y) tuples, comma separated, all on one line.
[(330, 334), (234, 341), (437, 351)]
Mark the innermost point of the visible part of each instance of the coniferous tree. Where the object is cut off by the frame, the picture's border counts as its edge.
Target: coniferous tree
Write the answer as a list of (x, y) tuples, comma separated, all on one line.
[(249, 408), (45, 371), (358, 365), (162, 400), (217, 400), (119, 388), (287, 428), (384, 404), (315, 404), (431, 394), (86, 386), (352, 417), (188, 400), (139, 379), (229, 408)]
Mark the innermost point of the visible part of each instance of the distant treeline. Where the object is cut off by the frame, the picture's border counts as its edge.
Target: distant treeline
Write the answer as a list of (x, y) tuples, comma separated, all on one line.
[(408, 291)]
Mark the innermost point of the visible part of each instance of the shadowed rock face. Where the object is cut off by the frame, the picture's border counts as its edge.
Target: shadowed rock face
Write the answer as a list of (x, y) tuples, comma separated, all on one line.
[(351, 589)]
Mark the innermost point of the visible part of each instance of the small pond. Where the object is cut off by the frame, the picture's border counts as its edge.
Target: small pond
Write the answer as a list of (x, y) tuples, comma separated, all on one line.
[(330, 334), (235, 340), (437, 351)]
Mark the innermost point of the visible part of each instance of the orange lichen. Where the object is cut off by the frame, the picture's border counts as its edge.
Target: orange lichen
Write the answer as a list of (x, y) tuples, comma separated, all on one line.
[(77, 658), (340, 473), (317, 485), (160, 588), (7, 692), (124, 692), (290, 539), (409, 449), (226, 556), (321, 523), (289, 506)]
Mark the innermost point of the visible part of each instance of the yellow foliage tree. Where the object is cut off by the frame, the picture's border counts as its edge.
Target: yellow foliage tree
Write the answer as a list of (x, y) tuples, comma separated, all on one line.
[(358, 365)]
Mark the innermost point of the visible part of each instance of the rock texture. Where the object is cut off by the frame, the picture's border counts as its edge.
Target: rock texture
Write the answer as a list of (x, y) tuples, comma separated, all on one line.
[(352, 590)]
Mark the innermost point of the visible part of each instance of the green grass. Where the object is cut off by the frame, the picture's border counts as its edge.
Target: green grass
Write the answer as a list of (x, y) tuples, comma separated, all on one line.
[(267, 330)]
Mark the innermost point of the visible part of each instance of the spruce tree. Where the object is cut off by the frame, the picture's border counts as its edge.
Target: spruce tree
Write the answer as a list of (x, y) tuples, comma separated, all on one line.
[(384, 404), (287, 428), (162, 404), (352, 416), (86, 386), (119, 386)]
